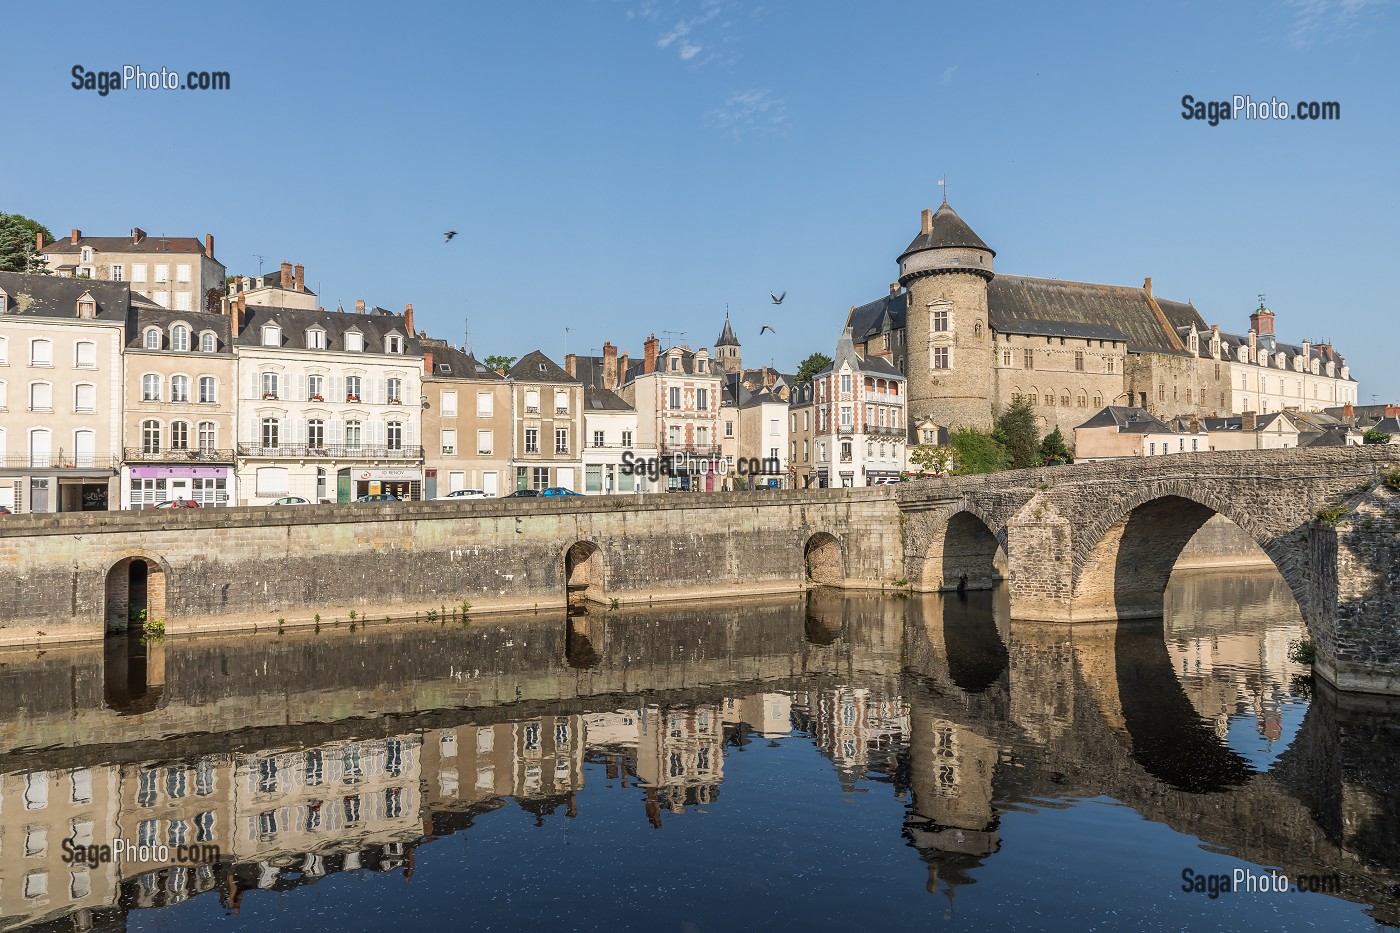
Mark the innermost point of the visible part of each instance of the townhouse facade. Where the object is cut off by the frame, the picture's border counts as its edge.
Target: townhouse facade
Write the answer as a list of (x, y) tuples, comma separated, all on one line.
[(180, 379), (546, 406), (328, 403), (61, 391), (466, 423), (801, 437), (763, 442), (613, 457), (860, 430), (677, 397), (179, 273)]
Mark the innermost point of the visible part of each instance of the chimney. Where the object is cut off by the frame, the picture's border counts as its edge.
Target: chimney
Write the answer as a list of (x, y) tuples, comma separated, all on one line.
[(571, 364), (1392, 411), (39, 241), (894, 289), (286, 281), (427, 362), (1348, 412), (652, 347), (1195, 425), (299, 277), (927, 222), (209, 245), (621, 368), (359, 306), (1147, 286), (1248, 421), (237, 308), (1307, 353), (609, 366), (1262, 321), (137, 235), (77, 235), (408, 319)]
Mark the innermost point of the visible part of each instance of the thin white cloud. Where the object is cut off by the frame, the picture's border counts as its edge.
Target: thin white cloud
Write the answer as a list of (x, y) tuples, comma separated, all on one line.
[(947, 76), (751, 112), (689, 50), (1329, 20)]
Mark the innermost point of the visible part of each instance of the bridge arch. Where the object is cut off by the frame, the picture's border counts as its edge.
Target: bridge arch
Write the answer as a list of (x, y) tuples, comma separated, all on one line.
[(967, 552), (1126, 550), (824, 559), (134, 592), (583, 573)]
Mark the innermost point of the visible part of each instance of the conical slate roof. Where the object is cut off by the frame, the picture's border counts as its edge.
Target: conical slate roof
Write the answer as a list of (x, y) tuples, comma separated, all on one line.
[(949, 232), (726, 336)]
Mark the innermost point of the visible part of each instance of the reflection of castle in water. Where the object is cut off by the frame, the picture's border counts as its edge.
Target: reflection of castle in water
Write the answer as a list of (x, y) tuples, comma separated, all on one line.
[(1023, 715)]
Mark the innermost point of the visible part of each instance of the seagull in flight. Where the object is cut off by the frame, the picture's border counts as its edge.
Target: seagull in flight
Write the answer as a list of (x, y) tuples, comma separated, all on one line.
[(777, 299), (768, 328), (451, 233)]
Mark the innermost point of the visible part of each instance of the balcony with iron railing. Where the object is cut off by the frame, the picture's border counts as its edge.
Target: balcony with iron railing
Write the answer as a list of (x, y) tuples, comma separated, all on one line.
[(883, 431), (332, 452), (177, 455), (698, 451), (59, 461)]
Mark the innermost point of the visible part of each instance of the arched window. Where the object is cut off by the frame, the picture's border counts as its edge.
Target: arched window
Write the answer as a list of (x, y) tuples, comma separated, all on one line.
[(561, 402), (208, 343), (152, 338), (179, 388), (179, 435), (208, 390), (41, 352), (150, 387), (85, 397), (150, 436), (85, 354), (269, 385), (180, 338), (208, 436), (40, 396), (352, 388), (395, 390)]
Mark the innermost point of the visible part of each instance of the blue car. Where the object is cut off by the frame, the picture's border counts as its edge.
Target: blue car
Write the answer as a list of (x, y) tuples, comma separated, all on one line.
[(560, 491)]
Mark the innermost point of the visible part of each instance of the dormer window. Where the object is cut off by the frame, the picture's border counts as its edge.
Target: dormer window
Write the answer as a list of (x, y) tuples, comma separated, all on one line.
[(272, 336), (393, 344), (152, 338), (699, 366), (355, 341), (4, 301), (675, 363), (87, 308), (86, 254), (315, 339), (180, 338), (208, 343)]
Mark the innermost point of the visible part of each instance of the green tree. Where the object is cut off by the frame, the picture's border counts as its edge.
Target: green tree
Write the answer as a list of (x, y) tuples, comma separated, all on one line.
[(501, 363), (930, 458), (1053, 450), (977, 451), (1372, 436), (810, 367), (18, 251), (1016, 429)]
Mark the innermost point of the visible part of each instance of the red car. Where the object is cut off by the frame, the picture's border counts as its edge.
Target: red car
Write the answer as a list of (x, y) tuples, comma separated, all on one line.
[(4, 511), (175, 504)]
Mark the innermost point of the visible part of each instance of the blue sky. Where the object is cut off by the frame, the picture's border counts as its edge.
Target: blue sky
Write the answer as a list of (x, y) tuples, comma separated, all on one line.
[(634, 166)]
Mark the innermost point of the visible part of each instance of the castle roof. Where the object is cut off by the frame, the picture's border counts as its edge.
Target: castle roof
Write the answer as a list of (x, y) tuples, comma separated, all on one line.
[(726, 337), (948, 231), (1019, 304)]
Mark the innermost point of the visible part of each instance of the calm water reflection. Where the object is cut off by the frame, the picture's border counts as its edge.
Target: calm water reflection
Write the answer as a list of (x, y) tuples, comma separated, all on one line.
[(831, 763)]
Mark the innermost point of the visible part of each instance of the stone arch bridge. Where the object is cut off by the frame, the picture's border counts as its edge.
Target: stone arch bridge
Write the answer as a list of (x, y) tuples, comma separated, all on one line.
[(1082, 543)]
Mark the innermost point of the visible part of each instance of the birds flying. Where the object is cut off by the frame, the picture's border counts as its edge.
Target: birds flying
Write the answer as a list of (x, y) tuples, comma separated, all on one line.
[(450, 234), (777, 299), (768, 328)]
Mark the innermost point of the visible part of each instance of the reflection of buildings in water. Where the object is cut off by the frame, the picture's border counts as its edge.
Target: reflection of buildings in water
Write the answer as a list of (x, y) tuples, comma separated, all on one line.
[(860, 730), (768, 714), (680, 756), (537, 760)]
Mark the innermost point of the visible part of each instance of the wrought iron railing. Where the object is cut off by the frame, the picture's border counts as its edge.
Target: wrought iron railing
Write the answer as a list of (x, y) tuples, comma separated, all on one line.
[(177, 455), (60, 461), (333, 451)]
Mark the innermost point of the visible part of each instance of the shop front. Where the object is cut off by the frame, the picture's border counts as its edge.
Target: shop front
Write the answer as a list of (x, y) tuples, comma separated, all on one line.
[(145, 486), (403, 483)]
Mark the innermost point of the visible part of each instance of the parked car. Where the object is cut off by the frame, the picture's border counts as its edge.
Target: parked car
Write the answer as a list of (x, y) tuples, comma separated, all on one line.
[(175, 504), (379, 497), (459, 494), (560, 491), (4, 511), (291, 500), (524, 494)]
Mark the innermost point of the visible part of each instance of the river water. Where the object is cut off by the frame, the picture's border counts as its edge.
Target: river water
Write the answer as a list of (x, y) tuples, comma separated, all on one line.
[(832, 762)]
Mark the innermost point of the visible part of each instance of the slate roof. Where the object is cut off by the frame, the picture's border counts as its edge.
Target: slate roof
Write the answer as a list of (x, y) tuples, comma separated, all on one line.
[(760, 397), (726, 337), (296, 321), (801, 395), (1230, 343), (1017, 302), (57, 296), (123, 244), (597, 398), (139, 319), (460, 364), (1128, 420), (949, 232), (536, 367), (1389, 425), (846, 351), (876, 317)]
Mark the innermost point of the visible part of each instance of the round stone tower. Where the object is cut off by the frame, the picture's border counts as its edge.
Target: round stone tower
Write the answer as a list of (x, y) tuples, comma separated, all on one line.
[(945, 272)]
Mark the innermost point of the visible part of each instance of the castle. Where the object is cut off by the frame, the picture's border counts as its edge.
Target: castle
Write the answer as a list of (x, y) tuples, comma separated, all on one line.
[(972, 340)]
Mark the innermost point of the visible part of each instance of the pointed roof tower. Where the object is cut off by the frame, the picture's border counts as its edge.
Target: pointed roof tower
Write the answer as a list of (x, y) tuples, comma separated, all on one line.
[(726, 337), (945, 244)]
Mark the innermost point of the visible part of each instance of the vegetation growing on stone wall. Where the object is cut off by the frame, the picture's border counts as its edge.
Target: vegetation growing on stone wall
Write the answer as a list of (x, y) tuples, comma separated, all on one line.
[(1331, 516), (1391, 477), (1372, 436), (1302, 651)]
